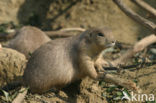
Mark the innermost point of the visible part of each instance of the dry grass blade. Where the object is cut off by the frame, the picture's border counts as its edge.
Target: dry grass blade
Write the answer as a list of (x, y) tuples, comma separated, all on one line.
[(145, 6), (150, 25)]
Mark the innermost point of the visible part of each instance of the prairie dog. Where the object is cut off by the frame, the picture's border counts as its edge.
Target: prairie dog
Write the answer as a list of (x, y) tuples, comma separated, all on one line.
[(62, 61), (28, 39)]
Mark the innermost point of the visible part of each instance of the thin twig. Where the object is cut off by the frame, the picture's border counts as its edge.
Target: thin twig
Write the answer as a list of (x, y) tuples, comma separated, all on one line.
[(145, 6), (150, 25)]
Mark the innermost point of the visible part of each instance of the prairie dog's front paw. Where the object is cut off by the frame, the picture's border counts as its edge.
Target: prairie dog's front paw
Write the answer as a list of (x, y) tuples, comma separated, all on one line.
[(98, 66)]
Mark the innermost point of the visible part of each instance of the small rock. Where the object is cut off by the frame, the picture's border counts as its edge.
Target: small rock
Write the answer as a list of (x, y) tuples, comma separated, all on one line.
[(12, 65)]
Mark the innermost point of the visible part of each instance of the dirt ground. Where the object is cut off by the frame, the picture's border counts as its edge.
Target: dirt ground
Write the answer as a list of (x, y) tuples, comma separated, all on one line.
[(89, 91), (86, 14)]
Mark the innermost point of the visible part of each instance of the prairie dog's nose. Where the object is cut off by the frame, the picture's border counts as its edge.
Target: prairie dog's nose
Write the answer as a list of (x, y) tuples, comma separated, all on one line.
[(113, 43)]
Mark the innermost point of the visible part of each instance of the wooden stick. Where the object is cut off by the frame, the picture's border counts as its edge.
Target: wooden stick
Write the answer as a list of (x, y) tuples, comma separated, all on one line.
[(145, 6), (150, 25), (119, 81), (72, 29), (20, 97)]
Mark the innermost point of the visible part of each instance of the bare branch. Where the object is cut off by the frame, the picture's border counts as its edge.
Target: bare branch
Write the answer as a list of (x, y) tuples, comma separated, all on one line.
[(139, 46), (150, 25), (57, 34), (63, 32), (145, 6), (53, 34)]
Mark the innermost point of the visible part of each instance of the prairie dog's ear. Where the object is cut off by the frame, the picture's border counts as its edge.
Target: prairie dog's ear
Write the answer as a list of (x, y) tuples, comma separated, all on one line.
[(88, 35)]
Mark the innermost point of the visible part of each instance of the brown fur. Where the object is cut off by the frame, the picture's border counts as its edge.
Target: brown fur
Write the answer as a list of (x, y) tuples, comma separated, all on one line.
[(62, 61), (28, 39)]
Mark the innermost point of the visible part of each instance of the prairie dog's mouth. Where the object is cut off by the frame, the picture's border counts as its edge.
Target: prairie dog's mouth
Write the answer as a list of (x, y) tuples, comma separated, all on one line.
[(112, 44)]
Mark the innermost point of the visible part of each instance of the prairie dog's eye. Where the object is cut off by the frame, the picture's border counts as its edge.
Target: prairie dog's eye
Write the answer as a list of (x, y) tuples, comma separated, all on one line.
[(100, 34)]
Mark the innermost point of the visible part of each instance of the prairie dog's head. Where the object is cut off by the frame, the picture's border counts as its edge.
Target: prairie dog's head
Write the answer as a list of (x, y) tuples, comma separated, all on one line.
[(101, 37)]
